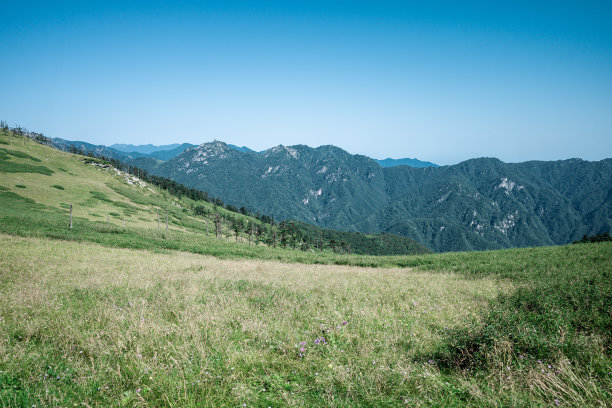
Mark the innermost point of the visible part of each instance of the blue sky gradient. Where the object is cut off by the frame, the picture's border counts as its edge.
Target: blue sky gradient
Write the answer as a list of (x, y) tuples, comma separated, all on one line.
[(441, 81)]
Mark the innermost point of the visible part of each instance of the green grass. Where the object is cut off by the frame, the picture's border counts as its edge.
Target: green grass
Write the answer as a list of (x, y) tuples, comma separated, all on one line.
[(123, 327), (144, 316)]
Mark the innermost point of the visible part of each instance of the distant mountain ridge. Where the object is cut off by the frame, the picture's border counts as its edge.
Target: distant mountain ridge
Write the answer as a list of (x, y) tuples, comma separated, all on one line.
[(146, 149), (167, 152), (404, 162)]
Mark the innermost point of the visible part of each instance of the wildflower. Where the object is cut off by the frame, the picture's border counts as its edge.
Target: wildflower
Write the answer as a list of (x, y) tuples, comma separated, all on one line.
[(302, 343), (344, 323), (430, 361), (302, 349), (138, 390)]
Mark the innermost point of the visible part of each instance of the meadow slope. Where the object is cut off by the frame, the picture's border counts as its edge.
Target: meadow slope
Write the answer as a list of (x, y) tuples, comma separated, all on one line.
[(88, 325)]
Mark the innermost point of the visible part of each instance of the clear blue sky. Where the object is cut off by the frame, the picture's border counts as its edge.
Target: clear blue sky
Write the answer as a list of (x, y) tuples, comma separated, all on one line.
[(440, 81)]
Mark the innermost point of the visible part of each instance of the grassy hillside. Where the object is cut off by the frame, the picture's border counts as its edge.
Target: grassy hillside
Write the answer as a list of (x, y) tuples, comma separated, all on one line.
[(51, 180), (111, 315)]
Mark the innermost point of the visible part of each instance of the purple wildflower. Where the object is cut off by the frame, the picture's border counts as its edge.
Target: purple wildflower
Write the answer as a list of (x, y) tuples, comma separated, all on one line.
[(344, 323)]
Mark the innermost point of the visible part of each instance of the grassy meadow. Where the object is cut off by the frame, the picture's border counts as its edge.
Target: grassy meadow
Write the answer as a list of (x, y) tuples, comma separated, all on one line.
[(93, 326), (123, 313)]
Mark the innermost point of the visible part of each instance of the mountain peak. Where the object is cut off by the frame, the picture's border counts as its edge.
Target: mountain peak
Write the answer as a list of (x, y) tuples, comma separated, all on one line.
[(208, 150), (280, 149)]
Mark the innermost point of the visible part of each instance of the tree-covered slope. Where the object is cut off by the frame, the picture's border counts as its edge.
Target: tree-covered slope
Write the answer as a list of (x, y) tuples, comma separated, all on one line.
[(477, 204)]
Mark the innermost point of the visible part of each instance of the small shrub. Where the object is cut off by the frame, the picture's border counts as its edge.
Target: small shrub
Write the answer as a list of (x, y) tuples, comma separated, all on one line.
[(20, 186), (58, 186), (100, 196)]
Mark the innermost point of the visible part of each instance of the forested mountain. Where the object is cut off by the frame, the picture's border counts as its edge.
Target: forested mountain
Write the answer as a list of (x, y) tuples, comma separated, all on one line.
[(477, 204)]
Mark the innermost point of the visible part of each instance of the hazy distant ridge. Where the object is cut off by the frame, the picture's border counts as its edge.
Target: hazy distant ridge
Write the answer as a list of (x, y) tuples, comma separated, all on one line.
[(146, 149), (404, 162)]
